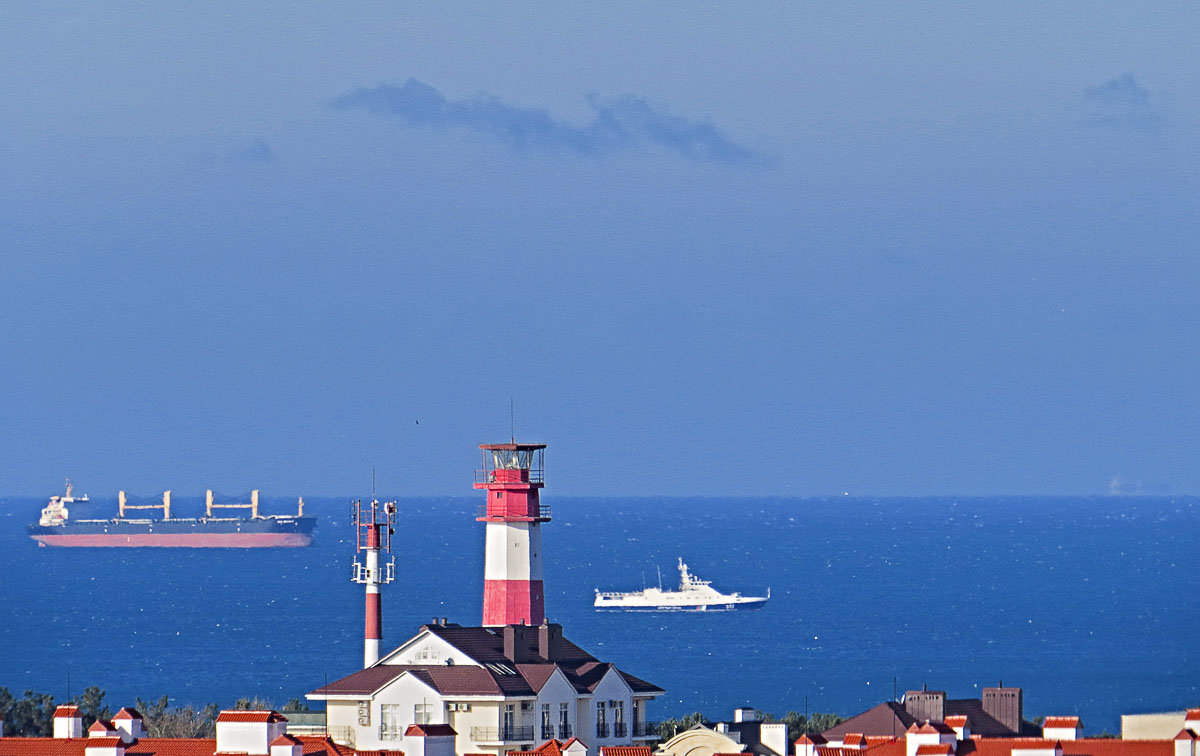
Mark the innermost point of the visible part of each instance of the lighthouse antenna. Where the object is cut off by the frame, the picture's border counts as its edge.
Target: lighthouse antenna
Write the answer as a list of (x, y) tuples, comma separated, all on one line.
[(512, 422)]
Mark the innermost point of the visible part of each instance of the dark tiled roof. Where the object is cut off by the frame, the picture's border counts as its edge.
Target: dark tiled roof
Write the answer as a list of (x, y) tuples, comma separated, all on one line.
[(485, 644), (885, 719), (364, 681)]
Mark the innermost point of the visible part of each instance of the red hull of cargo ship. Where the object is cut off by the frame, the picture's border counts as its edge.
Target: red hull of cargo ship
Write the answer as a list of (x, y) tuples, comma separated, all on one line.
[(193, 540)]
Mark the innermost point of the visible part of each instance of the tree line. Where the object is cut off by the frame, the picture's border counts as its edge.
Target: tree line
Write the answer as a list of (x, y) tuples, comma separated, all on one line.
[(33, 714)]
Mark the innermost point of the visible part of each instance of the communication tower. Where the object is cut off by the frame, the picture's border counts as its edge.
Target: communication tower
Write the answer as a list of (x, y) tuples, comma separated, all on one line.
[(513, 476), (373, 529)]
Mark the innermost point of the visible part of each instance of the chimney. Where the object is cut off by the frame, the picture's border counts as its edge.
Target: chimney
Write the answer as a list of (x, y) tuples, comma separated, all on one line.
[(286, 745), (743, 714), (1191, 721), (1036, 747), (929, 736), (249, 732), (68, 722), (130, 724), (926, 704), (1062, 728), (807, 744), (961, 726), (1185, 743), (102, 728), (550, 642), (774, 736), (428, 740), (516, 643), (112, 746), (1004, 705)]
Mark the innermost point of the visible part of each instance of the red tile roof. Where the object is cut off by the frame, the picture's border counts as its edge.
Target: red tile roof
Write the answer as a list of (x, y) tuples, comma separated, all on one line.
[(930, 727), (430, 730), (854, 739), (250, 716), (625, 751), (101, 725), (958, 720), (285, 739), (1192, 715), (571, 741), (935, 749), (127, 712), (1185, 734), (1061, 722), (1004, 747), (815, 738), (113, 742), (65, 710)]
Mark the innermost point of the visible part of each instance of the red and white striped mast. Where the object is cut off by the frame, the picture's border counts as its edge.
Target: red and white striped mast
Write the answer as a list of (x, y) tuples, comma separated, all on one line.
[(373, 533), (512, 475)]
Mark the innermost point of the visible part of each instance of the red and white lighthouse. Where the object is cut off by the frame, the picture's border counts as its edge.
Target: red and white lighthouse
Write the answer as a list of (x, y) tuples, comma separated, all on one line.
[(373, 533), (512, 475)]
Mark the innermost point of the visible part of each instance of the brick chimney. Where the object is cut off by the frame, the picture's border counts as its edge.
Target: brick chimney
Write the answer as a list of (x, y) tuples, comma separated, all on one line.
[(925, 704), (249, 732), (68, 722), (1004, 705), (130, 724), (550, 641), (516, 643)]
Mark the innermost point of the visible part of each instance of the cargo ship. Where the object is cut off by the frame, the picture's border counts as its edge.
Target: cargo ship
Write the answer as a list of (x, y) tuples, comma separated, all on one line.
[(56, 528), (694, 595)]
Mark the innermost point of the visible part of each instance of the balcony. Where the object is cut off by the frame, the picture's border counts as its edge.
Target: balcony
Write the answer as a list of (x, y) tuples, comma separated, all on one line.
[(502, 734), (342, 735), (498, 510), (547, 732), (564, 732), (601, 730), (620, 730), (392, 732), (645, 729)]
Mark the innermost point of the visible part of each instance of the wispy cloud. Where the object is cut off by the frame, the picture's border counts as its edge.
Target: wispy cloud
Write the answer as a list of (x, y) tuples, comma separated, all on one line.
[(617, 124), (1121, 103)]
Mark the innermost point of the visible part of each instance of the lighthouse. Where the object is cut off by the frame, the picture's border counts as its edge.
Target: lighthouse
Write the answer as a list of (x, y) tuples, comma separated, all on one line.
[(512, 476)]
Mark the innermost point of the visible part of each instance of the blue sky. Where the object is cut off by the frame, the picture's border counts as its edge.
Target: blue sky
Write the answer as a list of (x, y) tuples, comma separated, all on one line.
[(705, 248)]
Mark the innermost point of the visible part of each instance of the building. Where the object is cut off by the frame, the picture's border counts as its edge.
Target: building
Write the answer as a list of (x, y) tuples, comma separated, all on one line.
[(247, 733), (745, 734), (500, 688), (1159, 725), (997, 714)]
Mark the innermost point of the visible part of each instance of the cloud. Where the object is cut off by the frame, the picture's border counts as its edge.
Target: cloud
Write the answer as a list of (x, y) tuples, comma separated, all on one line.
[(254, 152), (1121, 103), (618, 123)]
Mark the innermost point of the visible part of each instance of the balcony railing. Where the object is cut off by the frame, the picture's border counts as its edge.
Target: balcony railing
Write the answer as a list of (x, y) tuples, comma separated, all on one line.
[(601, 730), (342, 735), (564, 731), (620, 730), (547, 732), (496, 510), (501, 734), (645, 729), (387, 732)]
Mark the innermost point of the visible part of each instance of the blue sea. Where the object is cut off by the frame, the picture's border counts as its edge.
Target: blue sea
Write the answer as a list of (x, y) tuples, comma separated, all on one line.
[(1092, 605)]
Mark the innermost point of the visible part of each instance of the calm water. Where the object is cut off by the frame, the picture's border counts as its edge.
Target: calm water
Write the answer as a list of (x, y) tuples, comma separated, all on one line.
[(1089, 604)]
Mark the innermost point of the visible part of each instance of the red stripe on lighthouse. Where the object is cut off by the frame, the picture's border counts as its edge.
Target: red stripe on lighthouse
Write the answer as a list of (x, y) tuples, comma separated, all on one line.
[(513, 602), (374, 626)]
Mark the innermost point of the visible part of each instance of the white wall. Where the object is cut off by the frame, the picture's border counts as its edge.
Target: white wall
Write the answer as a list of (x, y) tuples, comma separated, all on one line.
[(426, 648), (611, 688)]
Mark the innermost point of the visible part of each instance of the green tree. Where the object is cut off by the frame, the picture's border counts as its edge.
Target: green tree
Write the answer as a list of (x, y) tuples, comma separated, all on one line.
[(798, 724), (295, 705), (90, 706), (669, 728), (253, 704), (31, 716)]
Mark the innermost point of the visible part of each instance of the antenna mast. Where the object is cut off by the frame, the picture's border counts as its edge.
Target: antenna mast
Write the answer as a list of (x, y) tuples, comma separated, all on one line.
[(373, 529)]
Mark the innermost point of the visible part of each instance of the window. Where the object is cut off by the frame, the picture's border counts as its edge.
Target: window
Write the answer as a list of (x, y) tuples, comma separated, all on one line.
[(422, 713), (601, 720), (389, 722), (547, 723)]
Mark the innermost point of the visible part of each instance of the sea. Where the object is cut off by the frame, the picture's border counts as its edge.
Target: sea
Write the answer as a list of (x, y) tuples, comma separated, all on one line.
[(1091, 605)]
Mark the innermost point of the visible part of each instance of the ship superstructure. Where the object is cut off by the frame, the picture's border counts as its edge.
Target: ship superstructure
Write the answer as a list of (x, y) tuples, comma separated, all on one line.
[(56, 528), (694, 595)]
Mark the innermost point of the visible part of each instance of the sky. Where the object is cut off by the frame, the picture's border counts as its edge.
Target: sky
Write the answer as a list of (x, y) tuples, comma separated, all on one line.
[(698, 248)]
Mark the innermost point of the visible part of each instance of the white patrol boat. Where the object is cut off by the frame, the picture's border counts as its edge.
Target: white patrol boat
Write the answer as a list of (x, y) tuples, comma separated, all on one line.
[(694, 595)]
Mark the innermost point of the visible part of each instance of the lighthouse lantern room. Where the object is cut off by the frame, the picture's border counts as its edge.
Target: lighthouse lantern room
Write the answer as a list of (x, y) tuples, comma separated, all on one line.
[(512, 476)]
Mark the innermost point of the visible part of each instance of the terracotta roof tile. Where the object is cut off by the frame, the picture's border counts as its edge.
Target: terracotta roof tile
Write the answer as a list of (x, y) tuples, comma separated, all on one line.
[(66, 710), (127, 712), (957, 720), (935, 749), (1061, 722), (625, 751), (231, 715), (285, 739), (112, 742), (814, 738)]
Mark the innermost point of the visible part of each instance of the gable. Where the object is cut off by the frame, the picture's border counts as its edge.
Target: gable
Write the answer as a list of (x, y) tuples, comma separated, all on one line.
[(612, 685), (426, 648)]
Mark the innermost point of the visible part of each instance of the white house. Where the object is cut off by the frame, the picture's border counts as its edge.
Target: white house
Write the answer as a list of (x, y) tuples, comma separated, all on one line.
[(501, 689)]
